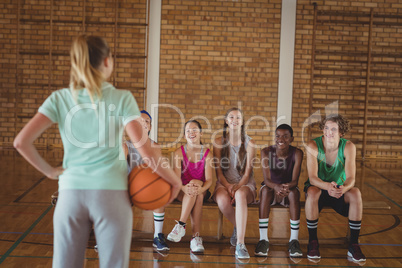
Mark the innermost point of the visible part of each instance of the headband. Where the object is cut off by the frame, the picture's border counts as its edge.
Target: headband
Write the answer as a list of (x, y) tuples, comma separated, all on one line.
[(145, 112)]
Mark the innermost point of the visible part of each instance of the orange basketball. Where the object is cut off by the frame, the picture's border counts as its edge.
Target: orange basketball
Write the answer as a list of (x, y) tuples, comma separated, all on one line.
[(147, 189)]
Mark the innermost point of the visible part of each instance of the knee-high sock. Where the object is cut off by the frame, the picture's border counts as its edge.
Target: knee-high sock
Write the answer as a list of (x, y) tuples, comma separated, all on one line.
[(354, 231), (263, 223), (294, 230), (312, 229), (158, 223)]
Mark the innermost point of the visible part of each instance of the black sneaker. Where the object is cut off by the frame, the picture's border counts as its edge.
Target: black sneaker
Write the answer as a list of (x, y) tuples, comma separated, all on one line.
[(262, 248), (356, 253), (294, 249), (312, 250), (160, 243)]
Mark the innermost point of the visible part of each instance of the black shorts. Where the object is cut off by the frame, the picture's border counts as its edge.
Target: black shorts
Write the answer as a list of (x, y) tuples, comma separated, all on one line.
[(339, 205)]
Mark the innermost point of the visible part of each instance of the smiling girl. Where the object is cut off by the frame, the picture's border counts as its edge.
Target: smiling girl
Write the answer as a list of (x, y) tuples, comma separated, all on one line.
[(235, 152), (194, 162)]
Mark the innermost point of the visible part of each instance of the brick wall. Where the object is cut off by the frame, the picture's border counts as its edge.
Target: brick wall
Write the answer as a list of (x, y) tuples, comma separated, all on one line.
[(214, 54), (7, 70), (340, 70), (35, 43)]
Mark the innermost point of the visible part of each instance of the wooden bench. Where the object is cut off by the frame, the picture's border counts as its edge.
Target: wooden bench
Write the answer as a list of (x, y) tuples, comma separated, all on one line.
[(280, 241), (220, 238)]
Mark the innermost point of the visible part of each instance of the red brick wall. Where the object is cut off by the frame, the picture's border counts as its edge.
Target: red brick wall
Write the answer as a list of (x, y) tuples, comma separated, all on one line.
[(33, 30), (214, 54), (341, 69)]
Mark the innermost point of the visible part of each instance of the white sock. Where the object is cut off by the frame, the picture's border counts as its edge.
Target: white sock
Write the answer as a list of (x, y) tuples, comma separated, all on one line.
[(158, 223), (294, 230), (263, 223)]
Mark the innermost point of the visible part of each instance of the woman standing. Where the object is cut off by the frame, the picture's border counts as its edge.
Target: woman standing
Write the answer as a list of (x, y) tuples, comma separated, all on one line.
[(91, 115)]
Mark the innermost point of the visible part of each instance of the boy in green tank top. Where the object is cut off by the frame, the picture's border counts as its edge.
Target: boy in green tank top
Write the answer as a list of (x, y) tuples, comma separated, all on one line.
[(331, 165)]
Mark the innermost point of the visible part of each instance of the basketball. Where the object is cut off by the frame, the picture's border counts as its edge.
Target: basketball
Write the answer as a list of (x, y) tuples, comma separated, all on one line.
[(147, 189)]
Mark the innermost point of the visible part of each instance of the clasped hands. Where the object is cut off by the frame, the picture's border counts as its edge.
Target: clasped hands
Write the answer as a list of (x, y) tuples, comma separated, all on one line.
[(335, 190), (282, 190), (232, 188), (192, 189)]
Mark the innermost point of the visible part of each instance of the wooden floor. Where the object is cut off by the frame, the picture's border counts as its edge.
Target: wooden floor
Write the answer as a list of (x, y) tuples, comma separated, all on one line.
[(26, 235)]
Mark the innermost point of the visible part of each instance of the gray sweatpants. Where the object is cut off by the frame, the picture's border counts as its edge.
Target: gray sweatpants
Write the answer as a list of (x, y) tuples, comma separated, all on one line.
[(111, 214)]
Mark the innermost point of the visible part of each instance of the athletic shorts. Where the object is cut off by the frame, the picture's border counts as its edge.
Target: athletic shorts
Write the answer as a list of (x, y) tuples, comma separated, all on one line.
[(339, 205)]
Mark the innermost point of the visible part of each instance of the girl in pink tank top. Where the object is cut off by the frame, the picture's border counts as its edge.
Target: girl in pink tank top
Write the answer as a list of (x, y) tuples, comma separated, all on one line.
[(193, 162), (190, 170)]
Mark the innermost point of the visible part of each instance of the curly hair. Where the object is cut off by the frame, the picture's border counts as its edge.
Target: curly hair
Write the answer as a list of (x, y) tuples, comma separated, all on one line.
[(343, 122)]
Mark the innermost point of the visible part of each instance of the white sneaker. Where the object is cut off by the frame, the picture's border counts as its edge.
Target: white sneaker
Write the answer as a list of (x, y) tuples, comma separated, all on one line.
[(196, 244), (177, 233), (241, 252)]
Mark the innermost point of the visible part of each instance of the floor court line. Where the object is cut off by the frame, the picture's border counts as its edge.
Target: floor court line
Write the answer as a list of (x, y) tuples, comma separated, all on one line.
[(29, 189), (209, 255), (3, 257), (396, 224), (223, 263), (29, 233), (26, 204), (382, 176), (375, 189), (389, 245), (23, 213), (259, 263)]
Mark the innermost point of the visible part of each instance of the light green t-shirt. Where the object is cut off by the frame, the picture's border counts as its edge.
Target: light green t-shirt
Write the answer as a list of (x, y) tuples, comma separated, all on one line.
[(91, 136)]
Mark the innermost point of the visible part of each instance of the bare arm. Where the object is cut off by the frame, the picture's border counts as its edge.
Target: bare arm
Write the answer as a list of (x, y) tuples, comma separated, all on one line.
[(125, 149), (156, 162), (266, 172), (312, 167), (249, 165), (177, 158), (208, 173), (24, 145), (217, 155), (296, 169), (350, 167)]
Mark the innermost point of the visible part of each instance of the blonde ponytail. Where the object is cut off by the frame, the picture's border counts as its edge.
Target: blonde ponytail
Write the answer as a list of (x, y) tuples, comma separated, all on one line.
[(87, 54)]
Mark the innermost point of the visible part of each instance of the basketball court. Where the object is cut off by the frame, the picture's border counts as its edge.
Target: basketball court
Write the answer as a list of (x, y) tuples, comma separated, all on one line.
[(280, 61), (26, 235)]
